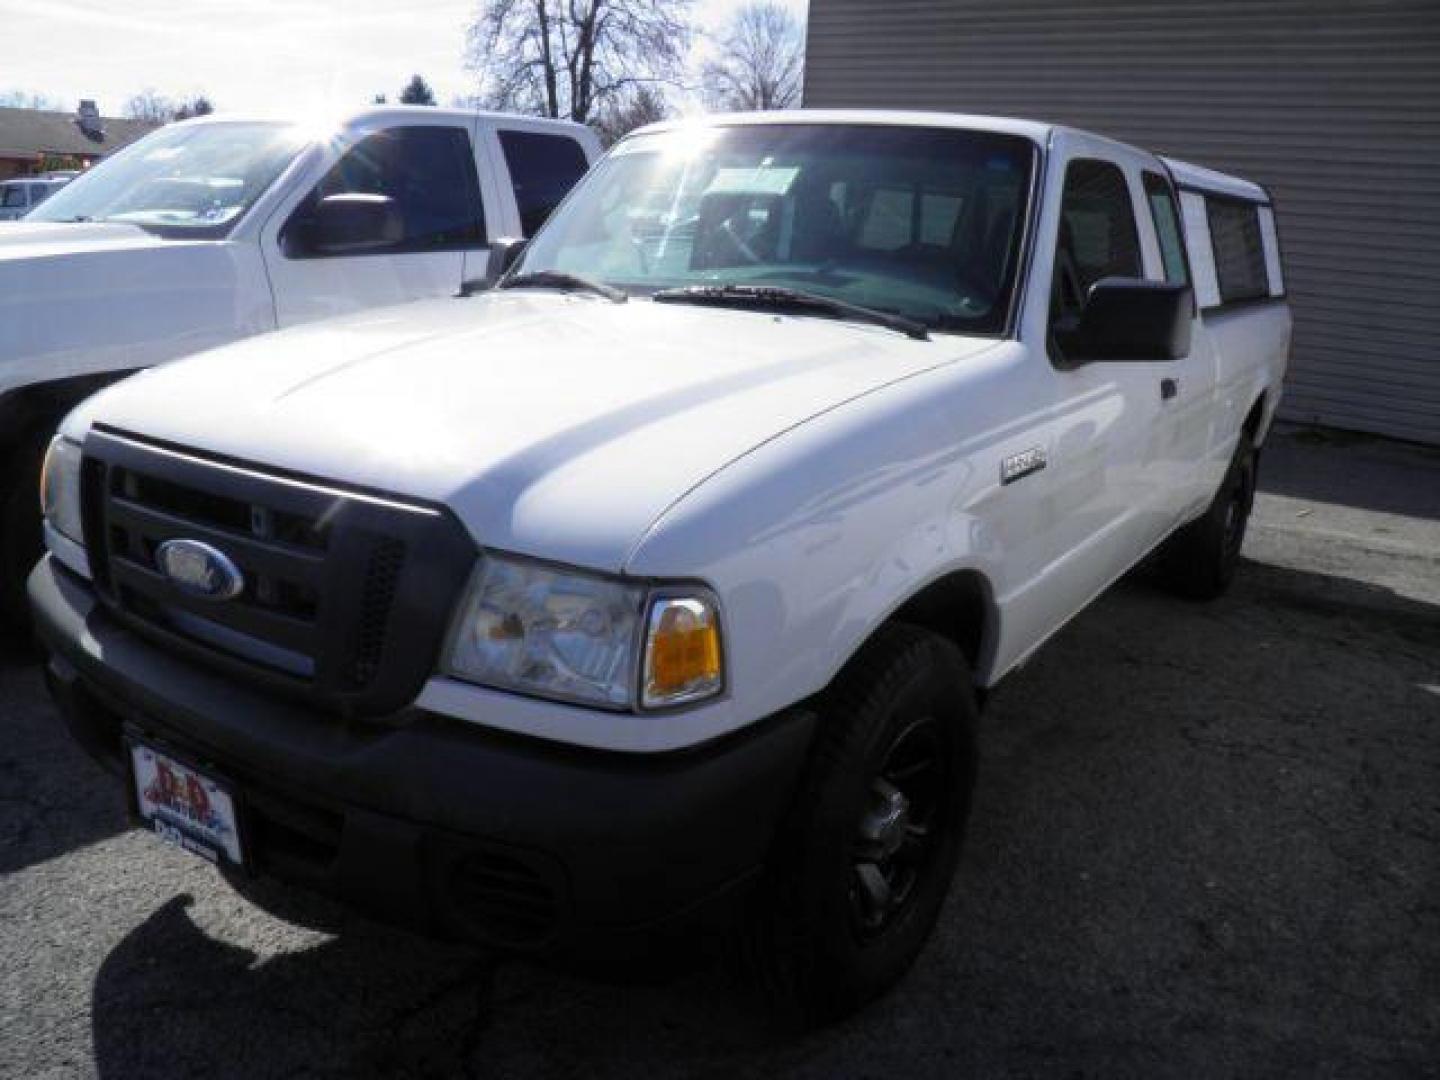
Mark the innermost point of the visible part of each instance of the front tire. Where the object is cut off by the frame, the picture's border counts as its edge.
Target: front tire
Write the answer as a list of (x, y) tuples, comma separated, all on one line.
[(1199, 561), (865, 859)]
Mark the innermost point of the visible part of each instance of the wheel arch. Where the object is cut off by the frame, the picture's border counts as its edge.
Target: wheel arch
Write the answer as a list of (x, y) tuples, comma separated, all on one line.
[(959, 605), (1257, 420)]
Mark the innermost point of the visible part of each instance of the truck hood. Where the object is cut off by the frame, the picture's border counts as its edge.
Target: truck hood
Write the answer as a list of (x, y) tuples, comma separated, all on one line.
[(86, 298), (47, 239), (554, 425)]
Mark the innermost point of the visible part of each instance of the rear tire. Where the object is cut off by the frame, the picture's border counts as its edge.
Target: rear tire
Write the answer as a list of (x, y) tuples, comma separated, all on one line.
[(864, 860), (21, 537), (1199, 561)]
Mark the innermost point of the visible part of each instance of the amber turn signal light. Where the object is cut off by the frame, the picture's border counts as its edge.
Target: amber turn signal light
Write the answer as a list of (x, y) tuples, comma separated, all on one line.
[(682, 652)]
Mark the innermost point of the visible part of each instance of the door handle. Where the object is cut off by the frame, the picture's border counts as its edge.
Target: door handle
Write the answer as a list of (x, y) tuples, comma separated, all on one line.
[(1169, 388)]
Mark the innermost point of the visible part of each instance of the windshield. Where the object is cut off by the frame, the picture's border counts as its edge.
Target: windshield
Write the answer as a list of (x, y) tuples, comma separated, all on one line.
[(183, 181), (920, 222)]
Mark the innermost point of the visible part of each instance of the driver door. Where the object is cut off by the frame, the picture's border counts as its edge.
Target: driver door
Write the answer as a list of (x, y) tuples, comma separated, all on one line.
[(1108, 505), (427, 172)]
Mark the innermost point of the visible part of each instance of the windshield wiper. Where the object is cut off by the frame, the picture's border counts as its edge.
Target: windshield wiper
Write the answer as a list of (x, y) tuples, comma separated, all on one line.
[(558, 279), (780, 296)]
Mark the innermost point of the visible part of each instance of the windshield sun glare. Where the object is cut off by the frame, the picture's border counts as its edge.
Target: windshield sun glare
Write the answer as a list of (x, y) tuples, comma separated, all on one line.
[(923, 223), (190, 180)]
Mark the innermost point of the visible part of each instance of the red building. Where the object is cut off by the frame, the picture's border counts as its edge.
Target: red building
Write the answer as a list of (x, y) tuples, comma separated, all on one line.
[(32, 140)]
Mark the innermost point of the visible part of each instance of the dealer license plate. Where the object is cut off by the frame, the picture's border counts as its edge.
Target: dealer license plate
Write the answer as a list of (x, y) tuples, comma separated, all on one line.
[(184, 806)]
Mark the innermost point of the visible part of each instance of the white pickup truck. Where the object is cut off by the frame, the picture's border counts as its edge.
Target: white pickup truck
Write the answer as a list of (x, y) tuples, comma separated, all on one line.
[(661, 582), (219, 228)]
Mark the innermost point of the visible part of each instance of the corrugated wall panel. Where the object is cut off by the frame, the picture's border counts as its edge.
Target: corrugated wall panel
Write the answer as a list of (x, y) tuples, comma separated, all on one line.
[(1334, 105)]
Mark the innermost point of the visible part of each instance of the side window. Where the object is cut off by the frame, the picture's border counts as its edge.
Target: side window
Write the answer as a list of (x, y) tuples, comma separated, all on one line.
[(543, 169), (1239, 249), (1167, 227), (1098, 237), (420, 187)]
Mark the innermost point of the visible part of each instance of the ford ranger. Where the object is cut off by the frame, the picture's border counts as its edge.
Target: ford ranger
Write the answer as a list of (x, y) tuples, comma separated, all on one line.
[(660, 584), (218, 228)]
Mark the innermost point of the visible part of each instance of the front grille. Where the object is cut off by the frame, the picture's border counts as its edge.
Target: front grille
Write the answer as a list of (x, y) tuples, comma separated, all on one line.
[(377, 594), (345, 595)]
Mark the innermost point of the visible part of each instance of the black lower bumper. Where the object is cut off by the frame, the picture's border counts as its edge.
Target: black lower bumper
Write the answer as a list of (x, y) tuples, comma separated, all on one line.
[(430, 822)]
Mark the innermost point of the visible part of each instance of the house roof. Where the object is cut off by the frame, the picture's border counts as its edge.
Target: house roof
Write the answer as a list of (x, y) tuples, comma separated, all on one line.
[(29, 132)]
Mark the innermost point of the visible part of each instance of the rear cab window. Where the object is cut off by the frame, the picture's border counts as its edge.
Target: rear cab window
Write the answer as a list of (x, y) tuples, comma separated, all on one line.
[(543, 168), (1229, 236), (1236, 239)]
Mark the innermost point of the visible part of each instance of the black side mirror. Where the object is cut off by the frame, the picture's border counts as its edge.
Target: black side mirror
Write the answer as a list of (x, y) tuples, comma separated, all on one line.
[(504, 253), (1129, 319), (348, 224)]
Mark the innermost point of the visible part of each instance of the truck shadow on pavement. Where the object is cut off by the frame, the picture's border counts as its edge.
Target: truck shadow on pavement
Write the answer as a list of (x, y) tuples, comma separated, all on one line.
[(1202, 835), (171, 999), (53, 798)]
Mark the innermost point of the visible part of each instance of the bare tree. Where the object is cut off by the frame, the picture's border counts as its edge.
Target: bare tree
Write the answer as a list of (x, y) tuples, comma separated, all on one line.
[(645, 105), (575, 58), (156, 108), (760, 61), (24, 99), (150, 106)]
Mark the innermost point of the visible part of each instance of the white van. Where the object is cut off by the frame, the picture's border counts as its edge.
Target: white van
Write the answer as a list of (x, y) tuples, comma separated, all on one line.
[(223, 227), (663, 581), (19, 196)]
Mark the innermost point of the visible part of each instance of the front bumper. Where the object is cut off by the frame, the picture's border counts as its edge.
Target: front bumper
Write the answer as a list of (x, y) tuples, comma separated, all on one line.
[(430, 822)]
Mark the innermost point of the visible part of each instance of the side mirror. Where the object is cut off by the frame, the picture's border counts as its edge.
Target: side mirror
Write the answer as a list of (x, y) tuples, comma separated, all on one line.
[(504, 253), (1130, 319), (348, 224)]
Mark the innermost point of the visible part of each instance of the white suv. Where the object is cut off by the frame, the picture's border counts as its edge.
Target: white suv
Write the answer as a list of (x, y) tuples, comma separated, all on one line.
[(661, 583)]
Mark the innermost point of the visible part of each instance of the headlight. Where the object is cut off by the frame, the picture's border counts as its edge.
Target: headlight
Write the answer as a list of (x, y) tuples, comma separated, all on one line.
[(536, 629), (60, 488), (577, 636)]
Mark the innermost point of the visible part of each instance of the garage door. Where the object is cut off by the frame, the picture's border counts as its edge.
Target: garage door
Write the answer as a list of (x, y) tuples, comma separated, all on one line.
[(1334, 106)]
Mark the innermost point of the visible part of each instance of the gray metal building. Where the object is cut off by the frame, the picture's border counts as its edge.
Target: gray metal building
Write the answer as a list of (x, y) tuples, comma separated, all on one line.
[(1334, 105)]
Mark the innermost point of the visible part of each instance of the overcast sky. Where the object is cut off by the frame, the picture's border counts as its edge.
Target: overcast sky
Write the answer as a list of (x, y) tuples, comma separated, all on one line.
[(245, 54)]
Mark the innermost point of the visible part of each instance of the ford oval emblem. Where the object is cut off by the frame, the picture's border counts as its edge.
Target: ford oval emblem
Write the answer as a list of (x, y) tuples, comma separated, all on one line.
[(199, 569)]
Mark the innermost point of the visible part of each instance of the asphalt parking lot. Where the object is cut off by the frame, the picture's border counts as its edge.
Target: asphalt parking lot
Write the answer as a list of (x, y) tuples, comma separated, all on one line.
[(1206, 842)]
